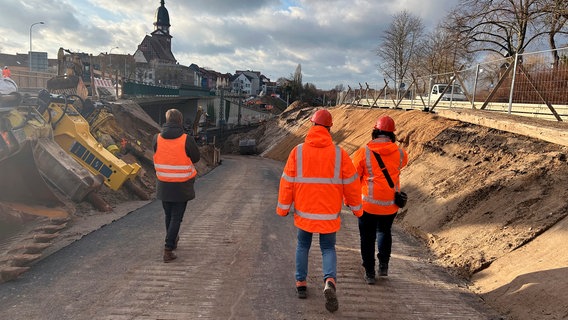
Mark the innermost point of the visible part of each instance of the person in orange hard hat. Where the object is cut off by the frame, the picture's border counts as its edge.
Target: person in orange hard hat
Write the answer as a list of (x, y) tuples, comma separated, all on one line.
[(318, 179), (379, 208), (6, 73), (175, 153)]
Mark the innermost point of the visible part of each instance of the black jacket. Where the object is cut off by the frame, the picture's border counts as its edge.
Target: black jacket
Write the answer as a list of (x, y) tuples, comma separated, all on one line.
[(177, 191)]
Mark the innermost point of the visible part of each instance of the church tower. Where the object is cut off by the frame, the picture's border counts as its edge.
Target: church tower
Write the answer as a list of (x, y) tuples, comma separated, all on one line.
[(157, 47), (162, 27), (162, 19)]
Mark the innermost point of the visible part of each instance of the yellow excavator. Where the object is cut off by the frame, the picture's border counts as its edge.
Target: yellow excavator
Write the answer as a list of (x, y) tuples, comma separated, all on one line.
[(47, 150), (72, 132), (33, 167)]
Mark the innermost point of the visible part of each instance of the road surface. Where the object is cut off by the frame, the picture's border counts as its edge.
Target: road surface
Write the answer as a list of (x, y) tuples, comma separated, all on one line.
[(236, 261)]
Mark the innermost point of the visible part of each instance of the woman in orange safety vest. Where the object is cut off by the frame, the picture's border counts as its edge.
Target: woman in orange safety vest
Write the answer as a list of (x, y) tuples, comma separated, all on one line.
[(175, 153), (317, 178), (378, 196)]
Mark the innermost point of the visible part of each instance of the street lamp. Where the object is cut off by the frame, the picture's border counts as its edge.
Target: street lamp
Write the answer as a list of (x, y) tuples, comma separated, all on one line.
[(110, 56), (30, 55)]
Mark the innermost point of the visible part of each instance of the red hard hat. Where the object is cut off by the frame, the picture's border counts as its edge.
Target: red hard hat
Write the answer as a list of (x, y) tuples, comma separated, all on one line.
[(385, 123), (322, 117)]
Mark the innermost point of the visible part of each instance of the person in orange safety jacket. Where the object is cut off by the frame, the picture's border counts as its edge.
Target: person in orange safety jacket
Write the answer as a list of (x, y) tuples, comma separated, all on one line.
[(378, 197), (318, 177), (6, 73), (175, 153)]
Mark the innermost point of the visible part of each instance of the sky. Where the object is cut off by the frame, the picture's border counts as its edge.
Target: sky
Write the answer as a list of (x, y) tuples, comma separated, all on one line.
[(334, 41)]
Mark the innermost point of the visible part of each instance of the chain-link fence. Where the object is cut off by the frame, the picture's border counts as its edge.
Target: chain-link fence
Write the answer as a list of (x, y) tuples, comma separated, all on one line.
[(531, 84)]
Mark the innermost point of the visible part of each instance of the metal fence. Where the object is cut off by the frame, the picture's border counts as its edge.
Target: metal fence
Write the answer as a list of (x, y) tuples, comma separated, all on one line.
[(530, 84)]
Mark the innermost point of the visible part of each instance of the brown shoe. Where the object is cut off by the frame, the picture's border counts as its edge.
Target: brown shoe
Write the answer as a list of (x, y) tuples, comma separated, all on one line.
[(169, 256)]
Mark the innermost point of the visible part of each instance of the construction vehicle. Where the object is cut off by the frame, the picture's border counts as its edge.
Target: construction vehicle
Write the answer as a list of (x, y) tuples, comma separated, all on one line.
[(31, 164), (69, 79), (46, 150), (72, 132)]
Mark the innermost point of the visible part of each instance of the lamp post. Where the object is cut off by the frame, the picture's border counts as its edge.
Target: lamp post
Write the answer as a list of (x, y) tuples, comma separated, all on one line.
[(30, 54), (110, 56)]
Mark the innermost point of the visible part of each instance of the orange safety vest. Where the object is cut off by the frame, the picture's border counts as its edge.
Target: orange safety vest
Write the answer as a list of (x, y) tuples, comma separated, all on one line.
[(171, 162), (6, 73), (315, 181), (377, 195)]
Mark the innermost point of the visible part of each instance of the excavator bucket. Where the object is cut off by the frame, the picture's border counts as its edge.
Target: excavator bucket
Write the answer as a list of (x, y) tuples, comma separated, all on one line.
[(68, 85)]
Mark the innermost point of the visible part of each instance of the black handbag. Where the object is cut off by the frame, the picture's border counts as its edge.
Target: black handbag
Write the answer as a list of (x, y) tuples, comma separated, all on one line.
[(400, 197)]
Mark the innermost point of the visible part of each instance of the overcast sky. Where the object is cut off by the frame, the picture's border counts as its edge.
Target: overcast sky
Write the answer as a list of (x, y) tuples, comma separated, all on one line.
[(334, 40)]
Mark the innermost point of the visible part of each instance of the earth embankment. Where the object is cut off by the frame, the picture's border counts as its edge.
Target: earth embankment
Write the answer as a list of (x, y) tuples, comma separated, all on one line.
[(490, 204)]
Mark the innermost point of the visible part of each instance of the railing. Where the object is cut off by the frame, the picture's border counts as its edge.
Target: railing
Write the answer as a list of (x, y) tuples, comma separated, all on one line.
[(540, 111), (530, 84)]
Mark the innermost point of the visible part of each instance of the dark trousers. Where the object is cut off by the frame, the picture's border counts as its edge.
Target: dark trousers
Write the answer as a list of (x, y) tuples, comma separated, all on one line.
[(374, 227), (174, 212)]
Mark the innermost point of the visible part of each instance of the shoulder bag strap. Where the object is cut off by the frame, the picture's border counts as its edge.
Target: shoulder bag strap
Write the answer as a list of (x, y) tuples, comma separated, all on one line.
[(384, 169)]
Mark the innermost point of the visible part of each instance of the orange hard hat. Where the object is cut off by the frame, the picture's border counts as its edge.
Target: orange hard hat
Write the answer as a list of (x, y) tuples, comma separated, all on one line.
[(322, 117), (385, 123)]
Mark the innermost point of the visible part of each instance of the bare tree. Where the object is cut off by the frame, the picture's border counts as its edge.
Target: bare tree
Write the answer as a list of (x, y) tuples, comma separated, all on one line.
[(441, 52), (399, 45), (297, 78), (556, 21), (503, 26)]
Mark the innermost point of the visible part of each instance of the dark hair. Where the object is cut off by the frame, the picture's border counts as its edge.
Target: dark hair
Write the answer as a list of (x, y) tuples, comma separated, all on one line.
[(376, 133)]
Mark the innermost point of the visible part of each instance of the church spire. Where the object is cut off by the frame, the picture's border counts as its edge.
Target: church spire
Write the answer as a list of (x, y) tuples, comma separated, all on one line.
[(162, 19)]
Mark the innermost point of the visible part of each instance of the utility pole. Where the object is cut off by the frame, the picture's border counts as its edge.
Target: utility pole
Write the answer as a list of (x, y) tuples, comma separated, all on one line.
[(221, 107), (239, 113)]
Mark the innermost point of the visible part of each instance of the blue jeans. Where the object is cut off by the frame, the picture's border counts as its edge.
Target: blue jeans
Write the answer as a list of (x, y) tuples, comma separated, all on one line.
[(375, 227), (329, 256), (174, 212)]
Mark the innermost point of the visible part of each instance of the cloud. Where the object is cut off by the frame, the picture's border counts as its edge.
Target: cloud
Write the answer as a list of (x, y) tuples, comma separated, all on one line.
[(333, 40)]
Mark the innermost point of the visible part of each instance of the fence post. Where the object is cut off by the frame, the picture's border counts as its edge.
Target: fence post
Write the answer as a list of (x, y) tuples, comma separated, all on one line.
[(513, 83), (429, 95), (474, 87)]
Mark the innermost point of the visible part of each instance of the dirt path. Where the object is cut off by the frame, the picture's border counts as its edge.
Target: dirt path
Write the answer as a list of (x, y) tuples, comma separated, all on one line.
[(236, 261), (480, 198)]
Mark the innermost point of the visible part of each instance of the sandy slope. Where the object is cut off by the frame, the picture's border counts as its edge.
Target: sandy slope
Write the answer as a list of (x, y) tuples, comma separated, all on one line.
[(490, 204)]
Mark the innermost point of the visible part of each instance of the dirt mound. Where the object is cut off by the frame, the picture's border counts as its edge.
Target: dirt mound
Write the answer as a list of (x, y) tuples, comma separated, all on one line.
[(477, 196)]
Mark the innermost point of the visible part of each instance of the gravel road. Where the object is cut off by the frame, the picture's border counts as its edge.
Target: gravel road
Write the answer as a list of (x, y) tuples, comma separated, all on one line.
[(236, 261)]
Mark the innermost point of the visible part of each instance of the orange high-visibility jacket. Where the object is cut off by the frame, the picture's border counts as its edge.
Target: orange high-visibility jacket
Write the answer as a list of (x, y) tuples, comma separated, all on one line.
[(317, 178), (171, 162), (378, 196), (6, 73)]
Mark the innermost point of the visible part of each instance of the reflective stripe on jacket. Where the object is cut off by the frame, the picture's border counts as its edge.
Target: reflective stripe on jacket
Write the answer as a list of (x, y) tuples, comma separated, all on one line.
[(377, 195), (171, 161), (317, 178)]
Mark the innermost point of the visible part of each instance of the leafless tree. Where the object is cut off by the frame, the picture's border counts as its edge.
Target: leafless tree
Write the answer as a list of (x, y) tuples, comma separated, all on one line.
[(556, 22), (503, 26), (441, 52), (297, 78), (399, 45)]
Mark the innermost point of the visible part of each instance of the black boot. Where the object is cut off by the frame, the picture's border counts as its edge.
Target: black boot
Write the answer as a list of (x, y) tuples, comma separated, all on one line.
[(383, 269)]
